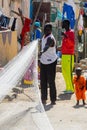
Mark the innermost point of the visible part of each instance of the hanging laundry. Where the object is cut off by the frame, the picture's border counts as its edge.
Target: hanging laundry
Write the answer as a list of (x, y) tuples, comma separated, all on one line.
[(80, 25), (69, 12), (13, 24), (26, 28)]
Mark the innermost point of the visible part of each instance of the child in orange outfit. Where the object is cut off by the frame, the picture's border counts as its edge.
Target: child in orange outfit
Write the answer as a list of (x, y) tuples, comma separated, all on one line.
[(79, 82)]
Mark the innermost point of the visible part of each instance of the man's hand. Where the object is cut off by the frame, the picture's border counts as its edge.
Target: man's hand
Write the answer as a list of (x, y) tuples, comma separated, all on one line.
[(63, 34), (40, 53)]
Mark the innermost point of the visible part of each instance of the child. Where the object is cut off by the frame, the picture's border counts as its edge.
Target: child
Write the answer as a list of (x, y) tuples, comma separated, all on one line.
[(79, 82)]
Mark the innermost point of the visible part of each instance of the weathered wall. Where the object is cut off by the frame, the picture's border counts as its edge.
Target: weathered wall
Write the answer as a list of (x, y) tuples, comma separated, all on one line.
[(8, 46), (6, 6)]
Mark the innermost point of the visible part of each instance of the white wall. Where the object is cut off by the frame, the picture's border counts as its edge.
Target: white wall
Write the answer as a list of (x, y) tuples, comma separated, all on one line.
[(5, 9)]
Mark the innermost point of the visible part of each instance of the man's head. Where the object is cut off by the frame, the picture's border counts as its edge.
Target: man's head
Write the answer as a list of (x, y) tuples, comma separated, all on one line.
[(66, 24), (47, 28)]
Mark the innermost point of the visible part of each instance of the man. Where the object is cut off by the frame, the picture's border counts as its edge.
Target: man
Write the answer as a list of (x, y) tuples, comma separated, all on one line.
[(67, 49), (48, 62)]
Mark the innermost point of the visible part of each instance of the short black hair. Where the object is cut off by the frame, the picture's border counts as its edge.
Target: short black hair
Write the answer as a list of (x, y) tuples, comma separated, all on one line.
[(48, 25), (66, 21), (78, 69)]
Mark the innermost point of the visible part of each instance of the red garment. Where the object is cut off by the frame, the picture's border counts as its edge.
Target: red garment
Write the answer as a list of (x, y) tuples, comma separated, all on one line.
[(26, 28), (78, 84), (68, 43)]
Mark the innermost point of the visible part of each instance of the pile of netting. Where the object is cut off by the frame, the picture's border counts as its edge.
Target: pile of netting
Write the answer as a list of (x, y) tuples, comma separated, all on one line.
[(22, 115)]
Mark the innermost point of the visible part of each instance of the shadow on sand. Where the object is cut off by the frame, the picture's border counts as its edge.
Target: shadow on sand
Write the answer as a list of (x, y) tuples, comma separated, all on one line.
[(80, 106), (64, 96), (48, 107)]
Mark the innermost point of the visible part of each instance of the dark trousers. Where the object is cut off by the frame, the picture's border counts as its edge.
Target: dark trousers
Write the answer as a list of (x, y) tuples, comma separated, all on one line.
[(47, 76)]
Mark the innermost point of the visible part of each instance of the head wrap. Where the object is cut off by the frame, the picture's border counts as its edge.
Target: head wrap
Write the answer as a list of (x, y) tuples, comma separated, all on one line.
[(37, 24)]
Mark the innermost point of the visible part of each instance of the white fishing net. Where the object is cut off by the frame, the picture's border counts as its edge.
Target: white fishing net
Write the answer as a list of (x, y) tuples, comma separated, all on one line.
[(22, 114)]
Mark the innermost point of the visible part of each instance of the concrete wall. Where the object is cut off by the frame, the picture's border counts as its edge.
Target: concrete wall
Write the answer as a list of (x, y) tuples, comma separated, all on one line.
[(8, 46), (24, 5)]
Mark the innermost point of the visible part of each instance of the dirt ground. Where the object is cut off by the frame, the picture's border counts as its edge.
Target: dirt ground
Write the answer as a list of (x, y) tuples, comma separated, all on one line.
[(64, 115)]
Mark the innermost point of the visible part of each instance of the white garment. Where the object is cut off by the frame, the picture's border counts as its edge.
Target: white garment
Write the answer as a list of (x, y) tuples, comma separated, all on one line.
[(11, 23), (80, 23), (50, 55)]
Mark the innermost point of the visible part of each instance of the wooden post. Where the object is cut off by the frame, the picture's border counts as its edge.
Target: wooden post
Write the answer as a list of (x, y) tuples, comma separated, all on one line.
[(76, 39), (2, 3), (36, 15)]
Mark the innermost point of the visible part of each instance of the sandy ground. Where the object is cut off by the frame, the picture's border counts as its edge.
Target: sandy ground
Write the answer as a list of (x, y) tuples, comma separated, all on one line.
[(65, 114), (20, 112)]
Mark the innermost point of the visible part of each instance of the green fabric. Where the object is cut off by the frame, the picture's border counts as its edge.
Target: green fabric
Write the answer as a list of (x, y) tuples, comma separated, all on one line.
[(67, 68)]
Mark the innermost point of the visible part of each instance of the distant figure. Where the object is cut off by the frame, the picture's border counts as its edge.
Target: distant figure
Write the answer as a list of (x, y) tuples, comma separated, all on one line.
[(37, 33), (28, 76), (67, 49), (80, 86)]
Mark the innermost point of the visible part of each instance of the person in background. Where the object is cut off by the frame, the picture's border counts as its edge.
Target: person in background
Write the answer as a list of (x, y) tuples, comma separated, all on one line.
[(67, 49), (37, 33), (48, 61), (28, 76), (79, 82)]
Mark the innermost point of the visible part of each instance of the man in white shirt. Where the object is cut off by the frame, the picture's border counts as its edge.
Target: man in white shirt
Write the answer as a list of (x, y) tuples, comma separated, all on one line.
[(48, 62)]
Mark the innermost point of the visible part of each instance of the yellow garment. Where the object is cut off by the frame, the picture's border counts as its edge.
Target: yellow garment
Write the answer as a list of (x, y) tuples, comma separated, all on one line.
[(80, 32), (28, 82), (67, 68)]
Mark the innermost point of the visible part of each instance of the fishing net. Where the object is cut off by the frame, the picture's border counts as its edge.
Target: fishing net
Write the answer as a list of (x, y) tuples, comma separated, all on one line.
[(27, 114)]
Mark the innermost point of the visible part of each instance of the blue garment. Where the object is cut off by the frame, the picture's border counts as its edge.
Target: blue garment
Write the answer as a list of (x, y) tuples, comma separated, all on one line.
[(85, 4), (70, 15), (37, 34)]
